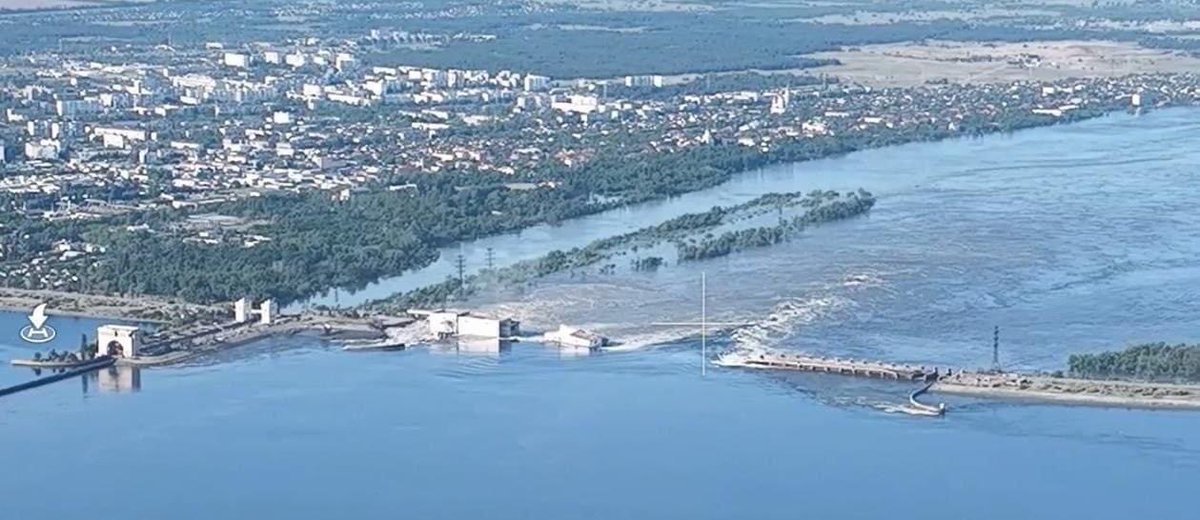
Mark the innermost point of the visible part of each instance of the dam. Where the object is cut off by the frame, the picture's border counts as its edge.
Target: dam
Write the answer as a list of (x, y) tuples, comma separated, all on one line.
[(986, 384)]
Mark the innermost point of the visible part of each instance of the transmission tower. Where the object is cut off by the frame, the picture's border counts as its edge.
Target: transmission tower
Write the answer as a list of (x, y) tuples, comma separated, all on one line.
[(461, 264), (491, 259), (996, 348)]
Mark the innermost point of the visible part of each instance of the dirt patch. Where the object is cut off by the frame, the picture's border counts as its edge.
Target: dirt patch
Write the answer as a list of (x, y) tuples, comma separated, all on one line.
[(634, 5), (1149, 26), (141, 308), (25, 5), (885, 18), (907, 64)]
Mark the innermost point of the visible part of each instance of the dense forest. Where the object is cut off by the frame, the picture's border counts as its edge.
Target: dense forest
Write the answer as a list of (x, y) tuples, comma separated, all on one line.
[(1149, 362)]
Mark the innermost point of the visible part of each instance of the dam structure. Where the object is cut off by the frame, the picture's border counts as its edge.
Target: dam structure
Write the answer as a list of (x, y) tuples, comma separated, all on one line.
[(829, 365), (988, 384)]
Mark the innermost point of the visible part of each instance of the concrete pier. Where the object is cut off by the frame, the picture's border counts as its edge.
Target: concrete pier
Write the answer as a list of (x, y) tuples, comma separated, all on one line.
[(77, 370)]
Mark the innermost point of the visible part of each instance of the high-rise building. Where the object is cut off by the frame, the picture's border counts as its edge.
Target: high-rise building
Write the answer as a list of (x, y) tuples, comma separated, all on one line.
[(534, 82), (46, 149), (779, 102), (644, 81)]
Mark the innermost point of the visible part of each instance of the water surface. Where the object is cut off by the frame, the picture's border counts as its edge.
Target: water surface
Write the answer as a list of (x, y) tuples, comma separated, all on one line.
[(1073, 238)]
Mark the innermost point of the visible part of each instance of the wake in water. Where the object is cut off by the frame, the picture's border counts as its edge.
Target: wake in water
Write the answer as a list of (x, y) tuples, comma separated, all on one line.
[(639, 311), (789, 316)]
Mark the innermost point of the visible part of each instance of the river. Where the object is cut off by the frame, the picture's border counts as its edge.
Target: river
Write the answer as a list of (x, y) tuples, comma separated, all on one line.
[(1071, 238)]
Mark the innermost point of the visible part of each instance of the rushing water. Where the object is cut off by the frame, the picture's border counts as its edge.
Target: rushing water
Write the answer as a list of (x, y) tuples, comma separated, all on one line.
[(1071, 238)]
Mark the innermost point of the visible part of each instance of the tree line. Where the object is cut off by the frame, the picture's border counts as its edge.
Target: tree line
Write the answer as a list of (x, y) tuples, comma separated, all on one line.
[(825, 207), (1150, 362)]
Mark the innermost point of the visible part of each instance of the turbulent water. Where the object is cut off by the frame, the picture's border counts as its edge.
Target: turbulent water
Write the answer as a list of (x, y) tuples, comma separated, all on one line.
[(1071, 254), (1073, 238)]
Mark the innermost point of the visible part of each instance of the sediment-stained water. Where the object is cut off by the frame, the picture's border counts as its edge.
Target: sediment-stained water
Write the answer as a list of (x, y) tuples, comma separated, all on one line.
[(1072, 238)]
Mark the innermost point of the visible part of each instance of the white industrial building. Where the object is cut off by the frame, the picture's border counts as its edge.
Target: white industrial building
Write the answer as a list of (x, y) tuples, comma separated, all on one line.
[(118, 340), (233, 59), (447, 323), (243, 310), (577, 104), (74, 107), (644, 81), (126, 134), (574, 337), (533, 83)]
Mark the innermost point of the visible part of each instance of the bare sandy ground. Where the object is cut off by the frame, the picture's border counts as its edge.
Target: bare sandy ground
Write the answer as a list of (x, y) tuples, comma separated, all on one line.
[(30, 5), (1073, 391), (25, 5), (93, 306), (635, 5), (908, 64), (882, 18)]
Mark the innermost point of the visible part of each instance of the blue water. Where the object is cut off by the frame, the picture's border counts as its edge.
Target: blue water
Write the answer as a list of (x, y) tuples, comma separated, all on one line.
[(1069, 252)]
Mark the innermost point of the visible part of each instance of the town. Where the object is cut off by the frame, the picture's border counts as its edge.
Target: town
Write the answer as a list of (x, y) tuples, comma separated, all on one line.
[(186, 129)]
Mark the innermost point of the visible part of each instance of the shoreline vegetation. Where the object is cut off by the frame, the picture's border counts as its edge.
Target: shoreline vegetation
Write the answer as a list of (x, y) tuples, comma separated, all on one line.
[(822, 207), (318, 244), (1158, 362), (1151, 375), (817, 207)]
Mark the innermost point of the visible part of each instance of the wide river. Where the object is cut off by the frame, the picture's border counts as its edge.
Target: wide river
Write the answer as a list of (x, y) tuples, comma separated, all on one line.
[(1071, 238)]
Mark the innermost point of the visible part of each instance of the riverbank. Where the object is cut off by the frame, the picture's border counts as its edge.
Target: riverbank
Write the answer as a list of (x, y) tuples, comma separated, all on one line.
[(145, 309), (692, 236), (173, 346), (988, 385), (1072, 391), (727, 164)]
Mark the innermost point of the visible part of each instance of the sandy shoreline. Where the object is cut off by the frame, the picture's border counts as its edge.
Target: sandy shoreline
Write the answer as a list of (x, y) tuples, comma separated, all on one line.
[(142, 309), (1073, 391), (1076, 399), (22, 309)]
